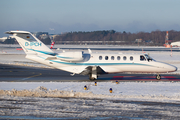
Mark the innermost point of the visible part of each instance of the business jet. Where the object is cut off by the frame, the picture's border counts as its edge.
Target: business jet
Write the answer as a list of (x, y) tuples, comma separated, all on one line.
[(92, 64)]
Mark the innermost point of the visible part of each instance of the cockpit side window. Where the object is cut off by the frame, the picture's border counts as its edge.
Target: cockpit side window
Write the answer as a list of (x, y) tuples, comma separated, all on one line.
[(142, 58)]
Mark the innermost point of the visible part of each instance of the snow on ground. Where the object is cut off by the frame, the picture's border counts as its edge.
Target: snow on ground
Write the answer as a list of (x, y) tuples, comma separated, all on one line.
[(143, 91)]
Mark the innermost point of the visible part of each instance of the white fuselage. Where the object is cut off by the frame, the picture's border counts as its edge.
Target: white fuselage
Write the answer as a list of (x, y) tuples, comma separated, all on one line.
[(110, 63)]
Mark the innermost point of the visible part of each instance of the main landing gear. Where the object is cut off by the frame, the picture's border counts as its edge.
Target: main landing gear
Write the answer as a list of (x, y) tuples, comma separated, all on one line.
[(93, 75), (91, 78)]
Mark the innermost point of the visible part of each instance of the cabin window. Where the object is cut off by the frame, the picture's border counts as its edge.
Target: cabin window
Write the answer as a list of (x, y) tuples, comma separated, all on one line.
[(131, 58), (118, 57), (112, 57), (124, 58), (100, 57), (106, 57), (142, 58)]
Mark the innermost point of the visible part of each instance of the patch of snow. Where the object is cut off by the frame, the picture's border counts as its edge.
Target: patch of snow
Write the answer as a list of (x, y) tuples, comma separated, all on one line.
[(148, 91)]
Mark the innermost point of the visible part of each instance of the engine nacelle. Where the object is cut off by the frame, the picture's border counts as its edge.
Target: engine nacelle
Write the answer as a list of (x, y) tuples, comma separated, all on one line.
[(71, 56)]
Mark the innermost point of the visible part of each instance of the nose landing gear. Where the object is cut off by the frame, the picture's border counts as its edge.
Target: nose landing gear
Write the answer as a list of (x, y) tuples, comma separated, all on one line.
[(158, 77)]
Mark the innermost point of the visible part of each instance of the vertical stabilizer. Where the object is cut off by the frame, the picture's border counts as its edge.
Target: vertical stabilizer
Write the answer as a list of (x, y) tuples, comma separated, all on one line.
[(30, 44)]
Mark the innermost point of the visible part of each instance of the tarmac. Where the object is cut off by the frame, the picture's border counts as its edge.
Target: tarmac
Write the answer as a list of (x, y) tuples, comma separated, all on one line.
[(15, 73)]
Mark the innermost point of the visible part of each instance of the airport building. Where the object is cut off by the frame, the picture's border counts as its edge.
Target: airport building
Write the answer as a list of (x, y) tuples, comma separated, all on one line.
[(3, 39), (7, 40)]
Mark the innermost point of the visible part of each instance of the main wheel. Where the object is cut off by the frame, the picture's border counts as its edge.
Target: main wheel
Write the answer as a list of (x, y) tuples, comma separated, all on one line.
[(158, 77), (91, 78)]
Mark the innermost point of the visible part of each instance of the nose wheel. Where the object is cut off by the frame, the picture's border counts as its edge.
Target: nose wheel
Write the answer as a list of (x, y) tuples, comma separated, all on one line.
[(158, 77)]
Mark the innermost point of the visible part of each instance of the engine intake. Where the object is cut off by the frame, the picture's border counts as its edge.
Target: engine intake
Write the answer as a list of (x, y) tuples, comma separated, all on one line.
[(71, 56)]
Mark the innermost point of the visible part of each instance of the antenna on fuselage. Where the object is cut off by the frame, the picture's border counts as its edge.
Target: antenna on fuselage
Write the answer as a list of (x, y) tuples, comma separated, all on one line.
[(89, 50)]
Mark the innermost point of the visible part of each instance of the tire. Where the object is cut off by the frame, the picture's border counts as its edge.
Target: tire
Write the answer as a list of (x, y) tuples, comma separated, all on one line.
[(91, 78), (158, 77)]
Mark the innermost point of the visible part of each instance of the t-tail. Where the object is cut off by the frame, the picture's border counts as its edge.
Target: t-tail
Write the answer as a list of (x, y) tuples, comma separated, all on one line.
[(30, 44)]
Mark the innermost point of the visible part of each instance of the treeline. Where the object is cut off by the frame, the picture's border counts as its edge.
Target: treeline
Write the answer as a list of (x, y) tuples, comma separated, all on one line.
[(154, 38)]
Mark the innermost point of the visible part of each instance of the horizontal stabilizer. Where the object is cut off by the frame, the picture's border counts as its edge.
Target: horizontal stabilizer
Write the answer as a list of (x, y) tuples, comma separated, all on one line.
[(17, 32)]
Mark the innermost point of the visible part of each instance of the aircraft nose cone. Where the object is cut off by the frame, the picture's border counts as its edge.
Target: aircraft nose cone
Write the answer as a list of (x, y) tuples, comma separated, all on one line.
[(173, 69), (169, 67), (176, 68)]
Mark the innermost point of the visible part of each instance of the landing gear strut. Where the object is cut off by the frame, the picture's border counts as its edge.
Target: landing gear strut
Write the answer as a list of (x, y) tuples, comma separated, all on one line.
[(158, 77), (91, 78), (93, 75)]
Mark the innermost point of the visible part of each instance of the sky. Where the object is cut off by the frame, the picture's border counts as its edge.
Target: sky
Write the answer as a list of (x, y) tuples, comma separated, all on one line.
[(60, 16)]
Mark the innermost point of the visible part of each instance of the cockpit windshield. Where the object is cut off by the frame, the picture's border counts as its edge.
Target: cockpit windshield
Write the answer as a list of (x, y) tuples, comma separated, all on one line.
[(149, 58)]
